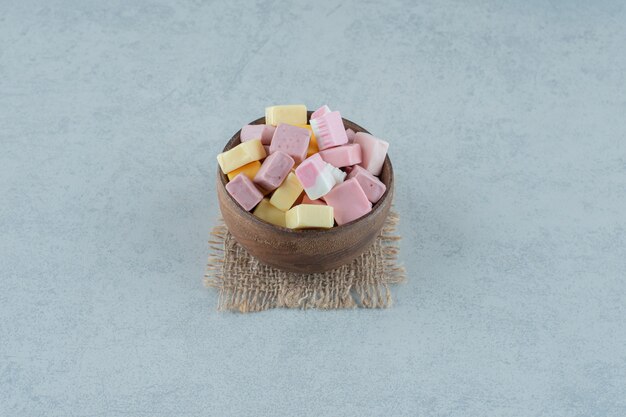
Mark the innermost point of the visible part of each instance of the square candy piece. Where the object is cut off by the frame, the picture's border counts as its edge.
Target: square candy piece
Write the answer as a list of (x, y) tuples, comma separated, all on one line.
[(373, 152), (244, 192), (320, 112), (269, 213), (273, 171), (294, 114), (348, 201), (329, 130), (249, 169), (372, 186), (307, 216), (312, 143), (342, 156), (292, 140), (287, 194), (240, 155), (316, 176), (263, 132)]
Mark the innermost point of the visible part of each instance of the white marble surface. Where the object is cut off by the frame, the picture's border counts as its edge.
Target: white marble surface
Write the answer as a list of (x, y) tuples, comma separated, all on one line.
[(508, 135)]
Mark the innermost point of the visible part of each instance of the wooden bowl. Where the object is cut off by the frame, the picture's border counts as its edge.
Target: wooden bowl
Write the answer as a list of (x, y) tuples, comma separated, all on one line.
[(304, 251)]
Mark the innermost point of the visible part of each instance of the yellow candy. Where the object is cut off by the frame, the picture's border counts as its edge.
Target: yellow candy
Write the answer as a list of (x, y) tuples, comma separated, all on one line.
[(241, 155), (269, 213), (313, 149), (293, 114), (310, 216), (312, 143), (288, 192), (249, 170)]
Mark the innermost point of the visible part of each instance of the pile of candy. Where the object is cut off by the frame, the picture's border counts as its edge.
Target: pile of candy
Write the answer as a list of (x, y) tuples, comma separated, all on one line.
[(335, 167)]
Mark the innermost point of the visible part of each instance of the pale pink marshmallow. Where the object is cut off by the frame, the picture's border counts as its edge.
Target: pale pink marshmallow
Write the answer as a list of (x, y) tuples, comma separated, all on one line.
[(292, 140), (371, 185), (348, 201), (329, 130), (316, 176), (350, 134), (320, 112), (373, 151), (342, 156), (273, 171), (308, 171), (307, 200), (263, 132), (267, 149), (244, 192)]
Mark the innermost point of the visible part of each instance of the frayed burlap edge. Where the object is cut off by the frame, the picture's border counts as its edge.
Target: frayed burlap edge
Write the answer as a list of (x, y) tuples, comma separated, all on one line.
[(246, 285)]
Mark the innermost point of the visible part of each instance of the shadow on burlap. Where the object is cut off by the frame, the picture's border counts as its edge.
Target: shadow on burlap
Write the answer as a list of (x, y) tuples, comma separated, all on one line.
[(246, 285)]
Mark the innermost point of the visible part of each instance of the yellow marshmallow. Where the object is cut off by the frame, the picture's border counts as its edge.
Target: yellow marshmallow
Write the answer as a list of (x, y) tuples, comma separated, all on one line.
[(240, 155), (310, 216), (269, 213), (248, 170), (293, 114), (288, 192), (313, 149)]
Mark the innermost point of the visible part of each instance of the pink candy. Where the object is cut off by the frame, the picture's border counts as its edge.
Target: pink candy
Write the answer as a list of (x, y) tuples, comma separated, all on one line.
[(273, 171), (244, 192), (373, 152), (371, 185), (263, 132), (320, 112), (341, 173), (349, 201), (316, 176), (342, 156), (292, 140), (328, 128)]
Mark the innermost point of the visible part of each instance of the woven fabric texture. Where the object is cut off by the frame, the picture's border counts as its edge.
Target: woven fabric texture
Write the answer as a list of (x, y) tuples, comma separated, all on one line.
[(246, 285)]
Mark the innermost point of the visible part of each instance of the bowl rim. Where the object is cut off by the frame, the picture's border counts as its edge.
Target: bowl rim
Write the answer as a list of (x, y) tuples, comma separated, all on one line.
[(377, 207)]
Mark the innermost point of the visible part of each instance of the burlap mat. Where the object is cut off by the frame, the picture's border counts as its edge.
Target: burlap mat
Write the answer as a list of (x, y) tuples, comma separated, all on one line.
[(246, 285)]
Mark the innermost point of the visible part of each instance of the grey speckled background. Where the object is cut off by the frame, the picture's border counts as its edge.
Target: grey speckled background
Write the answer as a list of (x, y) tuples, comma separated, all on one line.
[(508, 129)]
